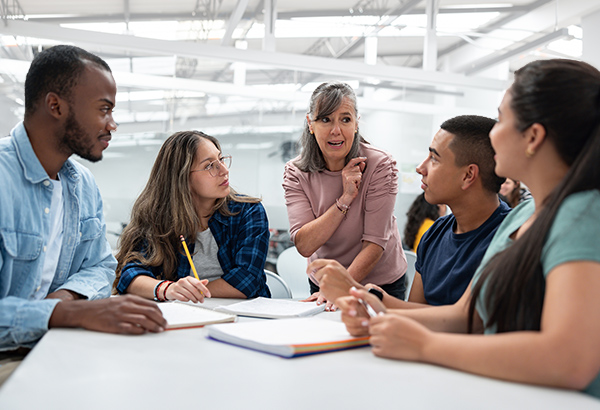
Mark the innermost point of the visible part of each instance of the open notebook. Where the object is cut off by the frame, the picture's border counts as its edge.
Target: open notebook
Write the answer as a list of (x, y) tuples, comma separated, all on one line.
[(288, 337), (272, 308), (183, 315)]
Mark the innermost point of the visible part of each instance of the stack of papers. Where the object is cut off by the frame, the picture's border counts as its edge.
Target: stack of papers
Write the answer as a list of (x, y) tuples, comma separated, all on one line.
[(272, 308), (288, 337), (184, 315)]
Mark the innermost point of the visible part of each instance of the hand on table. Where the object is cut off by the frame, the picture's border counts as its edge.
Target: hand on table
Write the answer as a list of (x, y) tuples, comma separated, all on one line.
[(188, 289), (318, 296), (128, 314), (333, 279)]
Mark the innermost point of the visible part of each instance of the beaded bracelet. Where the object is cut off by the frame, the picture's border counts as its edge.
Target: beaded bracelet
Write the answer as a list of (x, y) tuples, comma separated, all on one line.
[(156, 299), (165, 292), (158, 291), (343, 208)]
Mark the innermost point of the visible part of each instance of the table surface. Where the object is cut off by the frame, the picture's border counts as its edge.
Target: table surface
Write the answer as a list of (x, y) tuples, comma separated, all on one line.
[(79, 369)]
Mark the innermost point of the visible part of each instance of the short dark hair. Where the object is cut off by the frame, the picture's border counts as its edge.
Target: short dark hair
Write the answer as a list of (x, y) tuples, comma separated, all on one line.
[(56, 69), (471, 145)]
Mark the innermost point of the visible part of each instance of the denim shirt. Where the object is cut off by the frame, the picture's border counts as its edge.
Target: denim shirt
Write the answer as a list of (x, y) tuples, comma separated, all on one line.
[(85, 265)]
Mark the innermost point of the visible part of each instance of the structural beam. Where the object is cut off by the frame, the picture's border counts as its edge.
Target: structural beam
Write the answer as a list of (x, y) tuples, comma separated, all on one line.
[(344, 68), (234, 20), (507, 54), (269, 22), (300, 98), (430, 40)]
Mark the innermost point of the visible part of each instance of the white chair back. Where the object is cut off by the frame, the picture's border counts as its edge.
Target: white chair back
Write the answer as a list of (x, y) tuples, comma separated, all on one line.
[(291, 266), (279, 289), (411, 258)]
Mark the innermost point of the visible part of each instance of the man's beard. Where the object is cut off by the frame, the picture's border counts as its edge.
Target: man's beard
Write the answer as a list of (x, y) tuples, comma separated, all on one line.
[(75, 140)]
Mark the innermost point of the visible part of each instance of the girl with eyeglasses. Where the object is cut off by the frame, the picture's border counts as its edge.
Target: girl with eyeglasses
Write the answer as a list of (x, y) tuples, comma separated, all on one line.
[(188, 194)]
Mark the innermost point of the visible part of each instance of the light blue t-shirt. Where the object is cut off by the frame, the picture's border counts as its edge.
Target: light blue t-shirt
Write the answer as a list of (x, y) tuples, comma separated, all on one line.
[(572, 237)]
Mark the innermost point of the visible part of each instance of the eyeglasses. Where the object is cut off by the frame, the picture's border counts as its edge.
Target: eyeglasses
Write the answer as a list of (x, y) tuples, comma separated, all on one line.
[(214, 167)]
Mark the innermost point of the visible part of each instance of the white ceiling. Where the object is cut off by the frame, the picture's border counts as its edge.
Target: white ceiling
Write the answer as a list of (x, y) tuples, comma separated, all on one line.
[(175, 60)]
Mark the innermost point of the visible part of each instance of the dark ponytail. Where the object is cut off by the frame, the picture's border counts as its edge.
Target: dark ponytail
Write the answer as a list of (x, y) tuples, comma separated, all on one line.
[(563, 96)]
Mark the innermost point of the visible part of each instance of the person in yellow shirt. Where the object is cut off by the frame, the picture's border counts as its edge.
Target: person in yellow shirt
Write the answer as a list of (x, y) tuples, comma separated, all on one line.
[(420, 217)]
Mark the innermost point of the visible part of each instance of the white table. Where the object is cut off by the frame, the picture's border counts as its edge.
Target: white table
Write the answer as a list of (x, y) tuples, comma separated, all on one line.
[(78, 369)]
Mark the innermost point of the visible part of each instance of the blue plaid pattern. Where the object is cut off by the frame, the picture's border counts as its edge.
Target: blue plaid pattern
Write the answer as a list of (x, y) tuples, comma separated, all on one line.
[(243, 241)]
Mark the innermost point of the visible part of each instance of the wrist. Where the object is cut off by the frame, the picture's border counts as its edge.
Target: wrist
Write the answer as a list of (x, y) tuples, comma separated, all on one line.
[(345, 200), (427, 351), (157, 289), (377, 293), (67, 314), (165, 297), (342, 207)]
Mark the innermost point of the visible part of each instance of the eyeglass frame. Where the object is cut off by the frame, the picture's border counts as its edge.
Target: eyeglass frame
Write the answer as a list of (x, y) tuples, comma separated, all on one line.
[(219, 163)]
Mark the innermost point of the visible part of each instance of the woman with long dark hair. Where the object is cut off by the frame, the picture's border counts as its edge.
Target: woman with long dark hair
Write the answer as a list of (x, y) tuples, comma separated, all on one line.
[(419, 218), (188, 194), (536, 295)]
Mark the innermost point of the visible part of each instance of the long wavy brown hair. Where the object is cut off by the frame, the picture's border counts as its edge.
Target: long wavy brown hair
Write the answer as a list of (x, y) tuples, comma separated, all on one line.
[(164, 210)]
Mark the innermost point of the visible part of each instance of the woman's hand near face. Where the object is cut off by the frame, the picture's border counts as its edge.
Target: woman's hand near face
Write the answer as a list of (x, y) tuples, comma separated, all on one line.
[(351, 179), (188, 289)]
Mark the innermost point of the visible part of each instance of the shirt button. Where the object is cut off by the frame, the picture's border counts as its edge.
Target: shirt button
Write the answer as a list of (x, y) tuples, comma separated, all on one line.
[(47, 210), (46, 183), (44, 248), (38, 288)]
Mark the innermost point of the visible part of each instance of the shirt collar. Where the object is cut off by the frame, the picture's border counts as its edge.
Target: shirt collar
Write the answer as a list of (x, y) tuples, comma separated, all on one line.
[(33, 170)]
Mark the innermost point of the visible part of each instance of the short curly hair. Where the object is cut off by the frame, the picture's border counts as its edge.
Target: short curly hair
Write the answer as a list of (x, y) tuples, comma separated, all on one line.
[(56, 69)]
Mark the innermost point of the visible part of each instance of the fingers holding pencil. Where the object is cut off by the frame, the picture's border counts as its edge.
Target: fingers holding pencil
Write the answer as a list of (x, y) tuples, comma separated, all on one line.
[(189, 288)]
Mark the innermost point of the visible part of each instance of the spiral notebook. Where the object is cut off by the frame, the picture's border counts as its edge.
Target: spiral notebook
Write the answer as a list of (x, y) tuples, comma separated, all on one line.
[(288, 337), (184, 315)]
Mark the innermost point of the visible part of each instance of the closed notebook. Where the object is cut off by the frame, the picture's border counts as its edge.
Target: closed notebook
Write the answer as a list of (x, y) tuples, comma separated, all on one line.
[(288, 337), (272, 308), (183, 315)]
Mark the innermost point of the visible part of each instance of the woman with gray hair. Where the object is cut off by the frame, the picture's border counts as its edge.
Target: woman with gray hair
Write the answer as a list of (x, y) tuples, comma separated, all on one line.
[(340, 195)]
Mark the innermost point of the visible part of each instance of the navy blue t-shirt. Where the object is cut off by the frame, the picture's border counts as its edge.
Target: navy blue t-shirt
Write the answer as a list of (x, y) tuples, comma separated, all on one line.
[(447, 261)]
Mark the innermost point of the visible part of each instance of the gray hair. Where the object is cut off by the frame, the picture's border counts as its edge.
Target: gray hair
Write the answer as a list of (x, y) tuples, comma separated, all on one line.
[(326, 98)]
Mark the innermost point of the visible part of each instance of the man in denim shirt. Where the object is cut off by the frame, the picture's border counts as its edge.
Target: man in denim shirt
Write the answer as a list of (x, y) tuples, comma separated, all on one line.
[(56, 266)]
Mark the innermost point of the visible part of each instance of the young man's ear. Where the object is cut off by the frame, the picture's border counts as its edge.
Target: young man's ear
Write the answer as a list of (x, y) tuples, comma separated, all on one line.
[(470, 176), (54, 105)]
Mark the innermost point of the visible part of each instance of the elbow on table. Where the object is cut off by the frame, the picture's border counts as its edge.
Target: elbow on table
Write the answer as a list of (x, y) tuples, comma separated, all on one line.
[(579, 378), (577, 373)]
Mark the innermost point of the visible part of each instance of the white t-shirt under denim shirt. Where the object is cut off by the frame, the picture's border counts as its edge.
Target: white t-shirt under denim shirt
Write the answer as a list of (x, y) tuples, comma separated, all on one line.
[(53, 242)]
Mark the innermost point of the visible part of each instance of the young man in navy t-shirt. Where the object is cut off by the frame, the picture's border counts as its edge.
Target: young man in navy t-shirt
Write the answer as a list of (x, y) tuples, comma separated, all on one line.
[(458, 172)]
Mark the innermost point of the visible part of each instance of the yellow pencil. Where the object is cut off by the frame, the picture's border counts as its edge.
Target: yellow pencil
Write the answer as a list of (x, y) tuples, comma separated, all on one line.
[(187, 252)]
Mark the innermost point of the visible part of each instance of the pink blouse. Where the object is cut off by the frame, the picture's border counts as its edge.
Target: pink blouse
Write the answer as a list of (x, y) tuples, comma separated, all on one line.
[(370, 217)]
